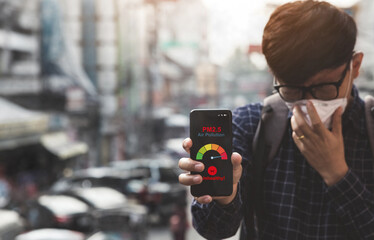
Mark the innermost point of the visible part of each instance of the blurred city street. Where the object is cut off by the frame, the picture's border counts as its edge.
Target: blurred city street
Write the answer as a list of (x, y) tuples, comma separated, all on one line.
[(95, 97), (165, 234)]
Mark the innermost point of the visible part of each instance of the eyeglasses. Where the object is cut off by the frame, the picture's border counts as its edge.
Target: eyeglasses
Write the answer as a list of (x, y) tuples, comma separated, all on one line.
[(322, 91)]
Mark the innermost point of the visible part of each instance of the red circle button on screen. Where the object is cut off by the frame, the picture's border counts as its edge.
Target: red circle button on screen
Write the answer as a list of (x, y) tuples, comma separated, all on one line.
[(212, 170)]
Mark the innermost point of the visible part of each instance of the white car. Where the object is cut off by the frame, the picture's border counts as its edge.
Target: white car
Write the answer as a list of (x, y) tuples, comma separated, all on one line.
[(159, 188), (11, 224), (51, 234)]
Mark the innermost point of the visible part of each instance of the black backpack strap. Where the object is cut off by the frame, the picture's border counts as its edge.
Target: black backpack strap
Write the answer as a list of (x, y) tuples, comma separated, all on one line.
[(274, 124), (267, 140), (369, 115)]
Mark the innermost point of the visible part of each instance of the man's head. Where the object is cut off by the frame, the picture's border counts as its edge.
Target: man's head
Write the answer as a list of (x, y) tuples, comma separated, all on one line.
[(303, 38)]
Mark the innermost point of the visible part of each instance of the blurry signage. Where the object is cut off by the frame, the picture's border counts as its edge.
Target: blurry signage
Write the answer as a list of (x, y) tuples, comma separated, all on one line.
[(75, 99), (255, 48)]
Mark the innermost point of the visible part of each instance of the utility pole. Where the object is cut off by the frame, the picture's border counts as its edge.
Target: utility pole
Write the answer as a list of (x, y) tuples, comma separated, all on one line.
[(152, 64)]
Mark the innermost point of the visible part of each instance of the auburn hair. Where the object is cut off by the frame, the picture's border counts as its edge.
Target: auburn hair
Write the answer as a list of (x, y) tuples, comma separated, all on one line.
[(304, 37)]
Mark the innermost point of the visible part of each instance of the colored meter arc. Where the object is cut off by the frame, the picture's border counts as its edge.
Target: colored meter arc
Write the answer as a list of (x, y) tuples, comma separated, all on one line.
[(208, 147)]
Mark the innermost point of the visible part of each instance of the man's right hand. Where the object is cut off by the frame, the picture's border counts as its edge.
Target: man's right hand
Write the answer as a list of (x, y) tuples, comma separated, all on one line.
[(188, 179)]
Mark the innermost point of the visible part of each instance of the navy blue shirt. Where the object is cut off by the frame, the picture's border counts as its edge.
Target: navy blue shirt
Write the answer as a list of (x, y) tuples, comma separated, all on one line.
[(297, 203)]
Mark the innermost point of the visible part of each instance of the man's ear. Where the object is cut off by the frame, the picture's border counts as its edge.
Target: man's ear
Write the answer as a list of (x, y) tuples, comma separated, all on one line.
[(356, 64)]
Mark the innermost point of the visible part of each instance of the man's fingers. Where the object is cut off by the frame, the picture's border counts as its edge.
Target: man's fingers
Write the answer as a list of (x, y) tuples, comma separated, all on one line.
[(187, 144), (189, 165), (317, 125), (236, 160), (207, 199), (190, 179), (204, 199), (337, 122), (301, 127), (296, 130), (314, 117)]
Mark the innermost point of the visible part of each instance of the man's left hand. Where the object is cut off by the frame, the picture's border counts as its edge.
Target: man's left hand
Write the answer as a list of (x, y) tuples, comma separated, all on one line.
[(322, 148)]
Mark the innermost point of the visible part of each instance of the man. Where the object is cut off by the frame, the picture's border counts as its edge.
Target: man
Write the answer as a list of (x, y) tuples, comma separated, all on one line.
[(320, 184)]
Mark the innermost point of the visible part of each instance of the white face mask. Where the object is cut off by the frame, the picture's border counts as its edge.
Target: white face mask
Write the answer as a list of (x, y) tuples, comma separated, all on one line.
[(325, 109)]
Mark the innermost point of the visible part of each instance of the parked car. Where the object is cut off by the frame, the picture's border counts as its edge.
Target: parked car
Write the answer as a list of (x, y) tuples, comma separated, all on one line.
[(159, 188), (167, 124), (113, 211), (176, 126), (51, 234), (98, 177), (110, 236), (4, 192), (173, 147), (11, 224), (59, 211)]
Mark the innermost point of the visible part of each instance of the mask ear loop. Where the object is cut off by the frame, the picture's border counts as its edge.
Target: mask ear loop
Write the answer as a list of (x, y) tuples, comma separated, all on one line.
[(350, 79), (274, 84)]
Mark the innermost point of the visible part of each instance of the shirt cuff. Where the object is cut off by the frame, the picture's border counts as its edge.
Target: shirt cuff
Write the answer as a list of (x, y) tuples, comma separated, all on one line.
[(348, 192), (233, 205)]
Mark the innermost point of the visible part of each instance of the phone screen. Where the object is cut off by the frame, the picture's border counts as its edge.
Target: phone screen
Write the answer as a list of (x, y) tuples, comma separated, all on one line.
[(211, 134)]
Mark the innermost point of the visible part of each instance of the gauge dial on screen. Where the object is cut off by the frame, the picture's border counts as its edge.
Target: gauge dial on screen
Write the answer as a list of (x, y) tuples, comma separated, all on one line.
[(211, 151)]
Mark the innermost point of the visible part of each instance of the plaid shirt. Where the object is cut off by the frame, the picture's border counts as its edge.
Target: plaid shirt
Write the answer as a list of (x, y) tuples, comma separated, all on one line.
[(297, 202)]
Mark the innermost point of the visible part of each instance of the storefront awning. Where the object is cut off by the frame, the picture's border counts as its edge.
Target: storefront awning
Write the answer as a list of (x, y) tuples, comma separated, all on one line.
[(20, 126), (59, 144), (17, 121)]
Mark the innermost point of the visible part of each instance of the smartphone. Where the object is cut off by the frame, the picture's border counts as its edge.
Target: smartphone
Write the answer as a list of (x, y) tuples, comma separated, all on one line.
[(211, 134)]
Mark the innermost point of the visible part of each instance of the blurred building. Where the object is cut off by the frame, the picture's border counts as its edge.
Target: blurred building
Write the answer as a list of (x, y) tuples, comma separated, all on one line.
[(244, 78), (184, 65), (94, 75), (109, 36), (108, 39), (47, 103), (95, 26), (160, 45)]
